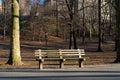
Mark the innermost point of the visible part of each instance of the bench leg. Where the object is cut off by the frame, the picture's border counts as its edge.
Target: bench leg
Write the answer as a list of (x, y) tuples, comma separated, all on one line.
[(80, 62), (61, 63), (40, 65)]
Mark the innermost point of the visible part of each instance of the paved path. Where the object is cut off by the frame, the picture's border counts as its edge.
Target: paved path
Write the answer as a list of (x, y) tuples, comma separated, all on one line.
[(103, 72)]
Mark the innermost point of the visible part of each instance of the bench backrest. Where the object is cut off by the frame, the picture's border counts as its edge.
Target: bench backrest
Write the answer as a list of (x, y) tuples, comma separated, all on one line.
[(61, 53), (47, 53), (72, 53)]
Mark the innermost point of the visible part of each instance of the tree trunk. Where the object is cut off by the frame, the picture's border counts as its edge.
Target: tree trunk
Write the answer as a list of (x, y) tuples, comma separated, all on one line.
[(57, 20), (74, 39), (70, 38), (90, 33), (100, 31), (4, 28), (72, 9), (15, 57), (83, 23), (117, 2)]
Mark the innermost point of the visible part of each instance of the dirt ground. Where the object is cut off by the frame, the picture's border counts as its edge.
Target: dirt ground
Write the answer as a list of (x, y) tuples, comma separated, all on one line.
[(27, 51)]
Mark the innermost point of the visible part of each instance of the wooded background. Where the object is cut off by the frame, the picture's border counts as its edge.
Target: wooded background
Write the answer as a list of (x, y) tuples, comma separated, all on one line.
[(71, 20)]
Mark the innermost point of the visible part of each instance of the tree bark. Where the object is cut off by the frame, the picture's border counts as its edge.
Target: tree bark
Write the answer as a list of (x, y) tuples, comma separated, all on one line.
[(100, 31), (15, 57), (117, 2)]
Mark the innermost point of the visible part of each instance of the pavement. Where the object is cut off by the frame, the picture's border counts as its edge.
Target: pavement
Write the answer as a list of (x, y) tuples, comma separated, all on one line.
[(94, 72)]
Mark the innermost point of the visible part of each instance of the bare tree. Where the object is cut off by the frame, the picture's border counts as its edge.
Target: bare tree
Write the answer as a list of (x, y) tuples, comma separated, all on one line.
[(71, 10), (100, 30)]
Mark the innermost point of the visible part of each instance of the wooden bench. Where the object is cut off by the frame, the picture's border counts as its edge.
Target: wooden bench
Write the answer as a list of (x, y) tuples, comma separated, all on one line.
[(60, 55)]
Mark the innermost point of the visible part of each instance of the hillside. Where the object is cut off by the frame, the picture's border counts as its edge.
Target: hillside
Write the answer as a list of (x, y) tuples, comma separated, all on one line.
[(28, 47)]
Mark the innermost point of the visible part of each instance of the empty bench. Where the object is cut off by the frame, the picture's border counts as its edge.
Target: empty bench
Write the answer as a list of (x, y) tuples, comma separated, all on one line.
[(61, 55)]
